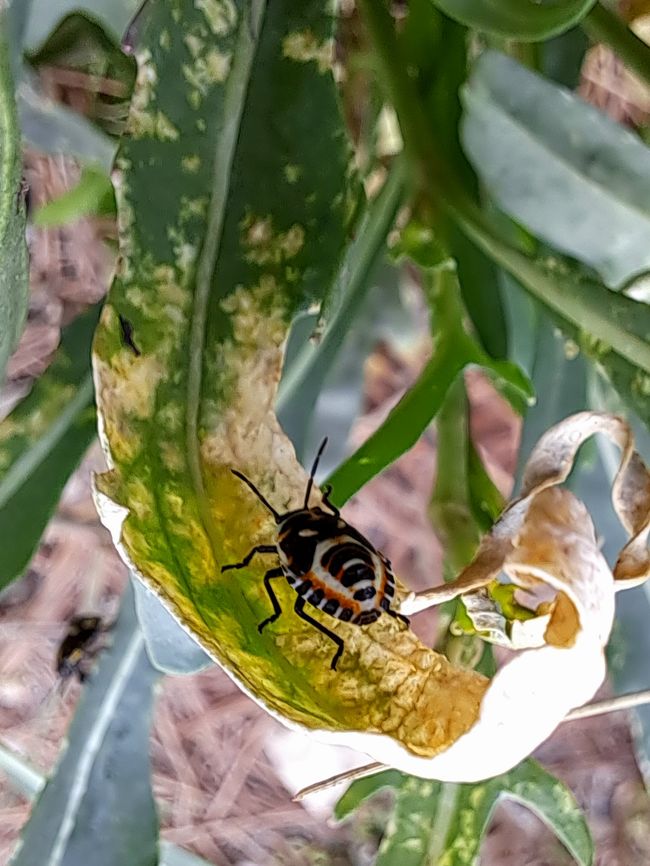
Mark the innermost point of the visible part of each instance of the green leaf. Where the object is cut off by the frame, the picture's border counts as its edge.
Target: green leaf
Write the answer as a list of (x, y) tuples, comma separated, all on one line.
[(524, 20), (453, 350), (98, 806), (536, 789), (28, 782), (563, 56), (571, 175), (93, 195), (222, 243), (611, 329), (383, 315), (363, 789), (41, 442), (486, 501), (481, 294), (436, 824), (437, 47), (79, 44), (450, 508), (14, 268), (629, 645), (408, 837), (559, 378)]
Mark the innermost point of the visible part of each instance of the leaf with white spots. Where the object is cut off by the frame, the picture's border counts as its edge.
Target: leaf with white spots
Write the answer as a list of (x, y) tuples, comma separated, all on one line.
[(233, 204), (444, 825), (233, 201)]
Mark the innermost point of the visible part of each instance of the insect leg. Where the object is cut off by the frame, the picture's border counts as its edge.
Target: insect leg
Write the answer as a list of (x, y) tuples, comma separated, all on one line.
[(277, 610), (299, 608), (401, 616), (326, 500), (261, 548)]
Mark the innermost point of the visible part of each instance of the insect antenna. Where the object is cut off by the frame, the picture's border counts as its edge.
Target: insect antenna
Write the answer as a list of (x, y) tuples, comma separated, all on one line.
[(263, 500), (310, 483)]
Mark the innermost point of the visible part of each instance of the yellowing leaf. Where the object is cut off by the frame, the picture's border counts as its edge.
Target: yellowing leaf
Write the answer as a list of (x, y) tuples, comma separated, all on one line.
[(222, 243), (220, 246)]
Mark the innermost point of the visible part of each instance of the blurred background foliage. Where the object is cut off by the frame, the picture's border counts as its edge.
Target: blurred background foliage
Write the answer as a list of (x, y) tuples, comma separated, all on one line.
[(509, 138)]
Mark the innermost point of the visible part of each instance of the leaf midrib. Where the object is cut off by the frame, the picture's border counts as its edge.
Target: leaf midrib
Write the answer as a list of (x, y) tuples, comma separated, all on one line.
[(236, 91)]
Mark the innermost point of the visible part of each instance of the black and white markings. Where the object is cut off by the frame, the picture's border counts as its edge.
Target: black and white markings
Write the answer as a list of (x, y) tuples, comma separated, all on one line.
[(328, 563)]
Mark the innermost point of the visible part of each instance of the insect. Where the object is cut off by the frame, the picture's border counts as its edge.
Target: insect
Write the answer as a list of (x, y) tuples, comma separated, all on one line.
[(328, 563), (79, 647)]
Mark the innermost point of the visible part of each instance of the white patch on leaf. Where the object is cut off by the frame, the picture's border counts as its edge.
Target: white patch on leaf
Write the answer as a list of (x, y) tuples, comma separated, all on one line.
[(303, 47), (221, 15)]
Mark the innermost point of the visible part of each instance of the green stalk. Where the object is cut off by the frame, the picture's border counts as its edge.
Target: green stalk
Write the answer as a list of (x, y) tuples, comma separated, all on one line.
[(603, 25), (443, 818), (450, 509)]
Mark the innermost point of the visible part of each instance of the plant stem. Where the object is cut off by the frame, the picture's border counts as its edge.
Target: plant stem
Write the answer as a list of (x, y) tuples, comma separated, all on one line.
[(605, 26), (401, 90), (449, 510), (442, 819)]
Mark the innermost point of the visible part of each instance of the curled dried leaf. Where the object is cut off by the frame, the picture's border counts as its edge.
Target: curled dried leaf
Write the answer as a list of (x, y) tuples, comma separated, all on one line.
[(545, 544)]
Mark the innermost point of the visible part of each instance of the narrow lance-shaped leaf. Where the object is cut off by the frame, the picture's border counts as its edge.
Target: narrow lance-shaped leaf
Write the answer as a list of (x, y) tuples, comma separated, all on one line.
[(98, 806), (303, 379), (14, 271), (222, 242), (565, 170), (92, 195), (114, 16), (29, 782), (444, 825), (453, 350), (612, 329), (170, 648), (41, 442)]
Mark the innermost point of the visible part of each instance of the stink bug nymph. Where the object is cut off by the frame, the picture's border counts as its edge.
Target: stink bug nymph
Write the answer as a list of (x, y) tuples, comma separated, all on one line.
[(82, 643), (328, 563)]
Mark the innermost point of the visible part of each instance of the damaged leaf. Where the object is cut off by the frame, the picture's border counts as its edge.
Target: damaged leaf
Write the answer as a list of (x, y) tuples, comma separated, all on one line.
[(221, 246), (41, 441), (444, 825)]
